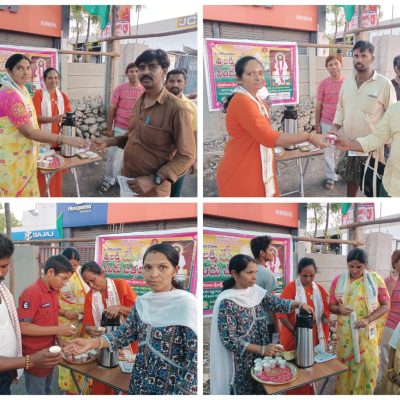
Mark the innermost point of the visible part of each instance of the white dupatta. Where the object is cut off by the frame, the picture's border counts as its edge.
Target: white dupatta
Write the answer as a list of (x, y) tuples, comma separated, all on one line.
[(371, 291), (222, 371), (97, 301), (12, 312), (176, 307), (46, 107), (266, 154), (318, 304)]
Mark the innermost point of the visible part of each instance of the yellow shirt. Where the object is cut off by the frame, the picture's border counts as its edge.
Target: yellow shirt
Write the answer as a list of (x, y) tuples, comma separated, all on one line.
[(387, 131), (360, 109), (193, 111)]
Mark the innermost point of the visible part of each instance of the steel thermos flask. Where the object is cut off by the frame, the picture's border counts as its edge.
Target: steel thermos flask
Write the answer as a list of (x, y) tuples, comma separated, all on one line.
[(290, 123), (106, 357), (68, 129), (304, 339)]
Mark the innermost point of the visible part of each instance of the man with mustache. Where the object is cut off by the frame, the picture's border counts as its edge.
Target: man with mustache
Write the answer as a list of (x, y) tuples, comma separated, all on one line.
[(363, 100), (12, 363), (159, 146), (175, 84)]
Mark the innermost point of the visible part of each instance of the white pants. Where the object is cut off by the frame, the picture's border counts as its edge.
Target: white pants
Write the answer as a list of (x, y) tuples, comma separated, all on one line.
[(329, 153), (115, 158)]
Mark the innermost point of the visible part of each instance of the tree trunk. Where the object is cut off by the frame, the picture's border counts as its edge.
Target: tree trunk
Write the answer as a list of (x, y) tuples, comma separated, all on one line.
[(326, 246), (137, 22), (316, 223), (75, 58), (85, 57)]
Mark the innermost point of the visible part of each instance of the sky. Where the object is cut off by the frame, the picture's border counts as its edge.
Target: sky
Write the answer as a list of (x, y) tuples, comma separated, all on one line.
[(156, 13)]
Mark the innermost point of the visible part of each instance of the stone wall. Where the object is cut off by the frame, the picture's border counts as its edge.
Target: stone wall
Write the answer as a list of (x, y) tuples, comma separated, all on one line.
[(213, 148), (90, 118)]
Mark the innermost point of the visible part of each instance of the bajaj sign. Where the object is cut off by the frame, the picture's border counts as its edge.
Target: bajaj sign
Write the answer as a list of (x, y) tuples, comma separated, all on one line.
[(37, 235)]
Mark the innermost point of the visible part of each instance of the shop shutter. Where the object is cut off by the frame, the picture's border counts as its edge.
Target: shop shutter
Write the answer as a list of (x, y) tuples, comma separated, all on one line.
[(24, 39), (249, 32), (225, 223)]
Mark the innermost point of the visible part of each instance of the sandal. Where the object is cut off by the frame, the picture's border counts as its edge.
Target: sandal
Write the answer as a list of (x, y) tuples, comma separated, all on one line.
[(329, 184), (104, 187)]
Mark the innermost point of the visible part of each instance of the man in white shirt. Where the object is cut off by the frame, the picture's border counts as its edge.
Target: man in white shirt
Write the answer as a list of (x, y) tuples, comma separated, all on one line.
[(363, 100), (12, 362)]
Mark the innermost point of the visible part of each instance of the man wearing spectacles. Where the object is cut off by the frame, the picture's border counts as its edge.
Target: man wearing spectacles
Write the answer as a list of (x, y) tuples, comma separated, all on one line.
[(159, 146)]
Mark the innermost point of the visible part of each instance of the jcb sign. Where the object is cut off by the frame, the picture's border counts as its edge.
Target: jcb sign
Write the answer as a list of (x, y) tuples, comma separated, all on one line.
[(189, 21)]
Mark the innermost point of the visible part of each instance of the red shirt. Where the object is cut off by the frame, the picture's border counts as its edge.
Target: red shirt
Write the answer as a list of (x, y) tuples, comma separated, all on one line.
[(328, 93), (38, 305), (124, 98)]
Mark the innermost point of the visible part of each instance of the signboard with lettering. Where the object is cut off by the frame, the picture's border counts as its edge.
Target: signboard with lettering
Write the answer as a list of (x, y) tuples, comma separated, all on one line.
[(188, 21), (122, 23), (84, 214), (279, 59), (41, 59), (121, 256), (220, 245), (46, 234), (365, 212)]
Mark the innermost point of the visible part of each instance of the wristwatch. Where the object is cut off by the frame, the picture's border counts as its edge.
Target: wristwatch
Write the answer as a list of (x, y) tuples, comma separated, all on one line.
[(157, 179)]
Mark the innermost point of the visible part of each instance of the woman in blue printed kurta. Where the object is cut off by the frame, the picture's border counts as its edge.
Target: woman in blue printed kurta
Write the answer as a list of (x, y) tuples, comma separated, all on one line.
[(164, 322), (239, 331)]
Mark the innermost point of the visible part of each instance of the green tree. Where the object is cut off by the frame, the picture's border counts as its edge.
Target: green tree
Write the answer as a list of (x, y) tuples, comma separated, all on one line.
[(14, 220), (138, 9), (335, 18), (78, 20), (317, 217), (331, 209)]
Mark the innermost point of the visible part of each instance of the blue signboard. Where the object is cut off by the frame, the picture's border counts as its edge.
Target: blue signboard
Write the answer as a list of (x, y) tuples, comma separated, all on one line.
[(46, 234), (82, 214)]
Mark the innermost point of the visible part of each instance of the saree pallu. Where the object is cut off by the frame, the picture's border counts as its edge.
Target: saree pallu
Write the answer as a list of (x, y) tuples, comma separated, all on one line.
[(72, 301), (360, 379), (18, 160)]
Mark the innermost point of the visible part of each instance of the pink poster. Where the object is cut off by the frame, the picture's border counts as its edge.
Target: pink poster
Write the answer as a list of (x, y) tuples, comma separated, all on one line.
[(121, 256), (40, 58), (279, 59), (220, 245)]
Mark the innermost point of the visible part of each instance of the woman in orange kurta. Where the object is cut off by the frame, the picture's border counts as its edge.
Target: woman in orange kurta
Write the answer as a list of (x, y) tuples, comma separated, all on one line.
[(248, 168), (117, 298), (51, 105), (304, 289)]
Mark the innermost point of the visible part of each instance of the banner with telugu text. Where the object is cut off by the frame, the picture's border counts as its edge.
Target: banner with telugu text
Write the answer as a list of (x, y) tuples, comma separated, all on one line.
[(41, 59), (122, 23), (121, 255), (365, 212), (280, 61), (220, 245)]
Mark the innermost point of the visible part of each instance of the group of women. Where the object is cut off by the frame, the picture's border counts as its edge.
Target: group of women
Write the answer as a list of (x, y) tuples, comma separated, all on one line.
[(159, 326), (27, 122), (361, 300)]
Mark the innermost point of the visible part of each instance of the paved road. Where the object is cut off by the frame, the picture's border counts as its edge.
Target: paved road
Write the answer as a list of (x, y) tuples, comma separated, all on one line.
[(91, 175), (289, 180)]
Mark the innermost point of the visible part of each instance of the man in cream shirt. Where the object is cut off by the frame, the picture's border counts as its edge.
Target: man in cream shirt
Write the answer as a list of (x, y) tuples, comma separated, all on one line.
[(363, 100), (387, 131)]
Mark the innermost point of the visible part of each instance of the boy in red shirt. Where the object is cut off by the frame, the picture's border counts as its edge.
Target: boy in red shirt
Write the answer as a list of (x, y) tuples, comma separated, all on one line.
[(38, 316)]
